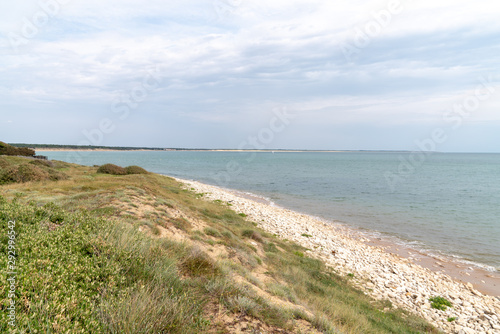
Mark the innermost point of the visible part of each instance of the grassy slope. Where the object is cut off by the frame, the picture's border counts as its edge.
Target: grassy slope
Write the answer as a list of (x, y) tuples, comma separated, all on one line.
[(139, 254)]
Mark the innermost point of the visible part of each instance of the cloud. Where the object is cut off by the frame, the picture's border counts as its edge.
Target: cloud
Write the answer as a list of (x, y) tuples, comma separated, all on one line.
[(225, 64)]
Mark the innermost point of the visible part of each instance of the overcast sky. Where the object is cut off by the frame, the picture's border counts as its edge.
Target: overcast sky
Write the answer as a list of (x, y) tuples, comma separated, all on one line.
[(306, 74)]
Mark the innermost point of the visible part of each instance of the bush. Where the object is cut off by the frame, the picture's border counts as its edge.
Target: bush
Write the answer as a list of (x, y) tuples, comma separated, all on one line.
[(136, 170), (36, 170), (24, 173), (198, 264), (4, 163), (6, 149), (44, 163), (252, 235), (112, 169), (439, 303), (212, 232)]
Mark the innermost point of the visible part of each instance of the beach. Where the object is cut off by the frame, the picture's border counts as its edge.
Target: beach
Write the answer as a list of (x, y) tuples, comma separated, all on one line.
[(383, 270)]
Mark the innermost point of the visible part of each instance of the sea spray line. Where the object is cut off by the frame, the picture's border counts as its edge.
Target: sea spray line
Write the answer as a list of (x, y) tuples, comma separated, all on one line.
[(427, 146)]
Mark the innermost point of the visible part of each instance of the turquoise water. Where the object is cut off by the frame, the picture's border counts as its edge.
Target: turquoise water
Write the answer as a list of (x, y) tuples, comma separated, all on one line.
[(449, 204)]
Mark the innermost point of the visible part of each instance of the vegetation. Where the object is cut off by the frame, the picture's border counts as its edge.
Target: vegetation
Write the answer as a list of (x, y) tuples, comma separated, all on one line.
[(139, 254), (6, 149), (112, 169), (20, 170), (80, 147), (135, 170), (117, 170), (439, 303)]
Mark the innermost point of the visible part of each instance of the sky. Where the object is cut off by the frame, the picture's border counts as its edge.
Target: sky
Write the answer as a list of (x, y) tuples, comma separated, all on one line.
[(274, 74)]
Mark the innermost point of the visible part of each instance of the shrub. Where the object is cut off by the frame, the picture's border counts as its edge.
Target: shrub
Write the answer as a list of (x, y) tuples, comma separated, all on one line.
[(270, 248), (44, 163), (6, 149), (24, 173), (4, 163), (252, 235), (212, 232), (198, 264), (181, 223), (243, 305), (135, 170), (439, 303), (112, 169)]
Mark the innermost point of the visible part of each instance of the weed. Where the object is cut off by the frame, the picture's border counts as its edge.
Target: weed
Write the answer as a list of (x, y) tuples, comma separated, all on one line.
[(282, 291), (212, 232), (197, 264), (252, 235), (228, 235), (439, 303), (270, 248), (181, 223)]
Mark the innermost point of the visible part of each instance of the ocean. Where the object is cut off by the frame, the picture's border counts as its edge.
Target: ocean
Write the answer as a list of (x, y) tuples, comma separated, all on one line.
[(440, 203)]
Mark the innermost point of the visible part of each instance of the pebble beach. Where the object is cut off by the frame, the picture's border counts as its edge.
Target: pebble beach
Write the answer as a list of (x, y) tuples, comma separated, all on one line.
[(380, 274)]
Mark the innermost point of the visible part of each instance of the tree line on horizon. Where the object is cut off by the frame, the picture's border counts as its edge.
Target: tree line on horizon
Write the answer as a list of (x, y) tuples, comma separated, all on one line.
[(57, 146)]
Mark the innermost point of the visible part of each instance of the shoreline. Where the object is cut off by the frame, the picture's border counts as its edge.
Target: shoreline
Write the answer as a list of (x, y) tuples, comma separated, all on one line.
[(382, 269), (207, 150), (91, 150), (484, 280)]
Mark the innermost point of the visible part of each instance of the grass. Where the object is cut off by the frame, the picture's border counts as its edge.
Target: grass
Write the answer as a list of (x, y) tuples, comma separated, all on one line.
[(86, 267)]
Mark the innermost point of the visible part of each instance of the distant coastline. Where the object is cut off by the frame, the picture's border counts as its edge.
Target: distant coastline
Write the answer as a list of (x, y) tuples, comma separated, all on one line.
[(48, 147)]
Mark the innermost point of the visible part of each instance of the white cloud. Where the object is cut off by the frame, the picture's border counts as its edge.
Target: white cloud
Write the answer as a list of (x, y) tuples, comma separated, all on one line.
[(225, 60)]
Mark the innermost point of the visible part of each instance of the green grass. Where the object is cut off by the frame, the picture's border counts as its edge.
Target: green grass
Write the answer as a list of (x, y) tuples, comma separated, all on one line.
[(85, 267), (439, 303), (79, 273)]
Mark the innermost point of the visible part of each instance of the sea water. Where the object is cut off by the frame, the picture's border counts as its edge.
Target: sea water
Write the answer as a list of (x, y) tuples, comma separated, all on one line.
[(443, 203)]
